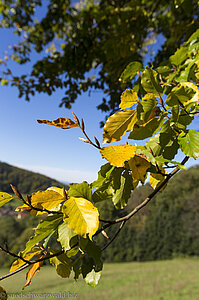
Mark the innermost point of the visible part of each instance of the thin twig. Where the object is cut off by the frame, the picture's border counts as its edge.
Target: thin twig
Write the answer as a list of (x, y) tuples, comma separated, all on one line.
[(115, 235), (31, 262), (82, 127), (14, 255)]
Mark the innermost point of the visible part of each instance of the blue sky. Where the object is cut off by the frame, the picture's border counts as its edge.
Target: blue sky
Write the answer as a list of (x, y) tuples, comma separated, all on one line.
[(52, 151)]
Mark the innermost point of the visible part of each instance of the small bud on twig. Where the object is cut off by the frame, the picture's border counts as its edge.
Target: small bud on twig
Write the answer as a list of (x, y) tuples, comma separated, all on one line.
[(82, 124), (28, 199), (105, 234), (76, 119), (64, 194), (84, 140), (97, 142), (16, 192)]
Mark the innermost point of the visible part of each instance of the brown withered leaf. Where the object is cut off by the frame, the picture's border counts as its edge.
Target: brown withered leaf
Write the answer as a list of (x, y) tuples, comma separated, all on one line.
[(63, 123)]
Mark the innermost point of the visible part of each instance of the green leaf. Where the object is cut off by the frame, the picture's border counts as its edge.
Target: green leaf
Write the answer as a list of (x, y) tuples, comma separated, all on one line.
[(128, 98), (123, 194), (103, 175), (80, 190), (93, 278), (165, 143), (130, 71), (150, 82), (179, 56), (93, 251), (118, 124), (145, 107), (45, 227), (5, 198), (81, 216), (87, 265), (62, 264), (65, 234), (189, 143), (77, 266), (104, 192), (141, 132), (180, 95)]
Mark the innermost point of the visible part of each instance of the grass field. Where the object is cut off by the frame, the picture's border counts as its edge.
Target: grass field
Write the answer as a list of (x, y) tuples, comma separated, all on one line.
[(163, 280)]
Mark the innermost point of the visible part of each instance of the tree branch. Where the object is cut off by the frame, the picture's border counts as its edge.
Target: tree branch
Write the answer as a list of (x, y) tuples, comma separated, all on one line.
[(144, 203), (31, 262)]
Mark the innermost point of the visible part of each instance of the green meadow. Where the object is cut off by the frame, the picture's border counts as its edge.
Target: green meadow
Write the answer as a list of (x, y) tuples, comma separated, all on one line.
[(160, 280)]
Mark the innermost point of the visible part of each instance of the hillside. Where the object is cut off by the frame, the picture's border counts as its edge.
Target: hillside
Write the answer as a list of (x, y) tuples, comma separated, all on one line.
[(26, 181)]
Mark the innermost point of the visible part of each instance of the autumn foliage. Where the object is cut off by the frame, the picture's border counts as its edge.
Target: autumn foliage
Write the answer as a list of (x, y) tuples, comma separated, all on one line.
[(158, 109)]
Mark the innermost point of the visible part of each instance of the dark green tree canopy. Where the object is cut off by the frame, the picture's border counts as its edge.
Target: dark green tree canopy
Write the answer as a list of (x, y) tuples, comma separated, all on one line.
[(78, 40)]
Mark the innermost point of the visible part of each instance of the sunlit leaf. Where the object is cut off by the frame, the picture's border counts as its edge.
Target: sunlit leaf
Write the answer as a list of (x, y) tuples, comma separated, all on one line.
[(141, 132), (62, 264), (189, 143), (32, 271), (117, 155), (48, 199), (181, 95), (65, 234), (93, 278), (5, 198), (139, 166), (19, 262), (128, 98), (145, 107), (60, 122), (121, 196), (156, 179), (81, 216), (80, 190), (130, 71), (150, 82), (118, 124)]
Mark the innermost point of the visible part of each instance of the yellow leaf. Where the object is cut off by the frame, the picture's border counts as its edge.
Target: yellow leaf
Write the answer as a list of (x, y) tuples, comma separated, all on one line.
[(32, 271), (81, 216), (19, 262), (117, 155), (156, 179), (128, 98), (5, 198), (60, 122), (139, 166), (192, 86), (48, 199), (56, 189), (118, 124)]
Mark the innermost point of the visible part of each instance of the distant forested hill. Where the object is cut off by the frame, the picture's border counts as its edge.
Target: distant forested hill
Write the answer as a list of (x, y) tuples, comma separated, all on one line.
[(26, 181)]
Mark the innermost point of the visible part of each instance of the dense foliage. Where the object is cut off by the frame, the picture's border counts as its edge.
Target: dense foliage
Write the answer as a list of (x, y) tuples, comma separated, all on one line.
[(25, 180), (86, 45), (166, 228), (159, 110)]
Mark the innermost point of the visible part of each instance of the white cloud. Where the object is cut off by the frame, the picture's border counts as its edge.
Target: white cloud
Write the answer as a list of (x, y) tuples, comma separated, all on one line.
[(62, 174)]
